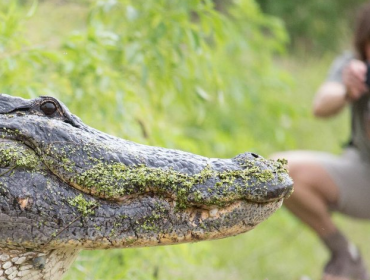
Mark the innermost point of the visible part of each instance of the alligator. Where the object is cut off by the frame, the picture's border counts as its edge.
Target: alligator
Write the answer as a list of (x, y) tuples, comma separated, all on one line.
[(67, 187)]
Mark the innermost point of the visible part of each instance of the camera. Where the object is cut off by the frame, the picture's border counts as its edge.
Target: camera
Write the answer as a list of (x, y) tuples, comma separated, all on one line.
[(367, 81)]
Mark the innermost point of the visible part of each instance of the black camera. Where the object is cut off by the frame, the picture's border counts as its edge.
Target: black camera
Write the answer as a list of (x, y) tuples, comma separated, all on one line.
[(367, 81)]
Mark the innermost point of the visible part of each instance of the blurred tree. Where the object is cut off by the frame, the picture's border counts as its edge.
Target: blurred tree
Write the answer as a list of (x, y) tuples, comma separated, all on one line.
[(315, 25)]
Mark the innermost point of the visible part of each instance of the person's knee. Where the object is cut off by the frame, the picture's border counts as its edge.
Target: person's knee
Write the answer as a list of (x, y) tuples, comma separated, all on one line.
[(299, 170), (296, 166), (310, 177)]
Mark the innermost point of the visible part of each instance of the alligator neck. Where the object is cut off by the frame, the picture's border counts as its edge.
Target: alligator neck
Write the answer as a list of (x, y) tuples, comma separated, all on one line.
[(32, 265)]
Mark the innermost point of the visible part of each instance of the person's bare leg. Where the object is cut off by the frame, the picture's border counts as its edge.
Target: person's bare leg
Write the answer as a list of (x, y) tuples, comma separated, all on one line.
[(314, 192)]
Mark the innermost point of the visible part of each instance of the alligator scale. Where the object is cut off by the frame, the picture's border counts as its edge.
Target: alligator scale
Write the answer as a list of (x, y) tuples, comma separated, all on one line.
[(66, 187)]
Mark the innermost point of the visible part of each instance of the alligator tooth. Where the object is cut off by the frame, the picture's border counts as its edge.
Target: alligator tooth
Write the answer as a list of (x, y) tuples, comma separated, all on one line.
[(213, 212)]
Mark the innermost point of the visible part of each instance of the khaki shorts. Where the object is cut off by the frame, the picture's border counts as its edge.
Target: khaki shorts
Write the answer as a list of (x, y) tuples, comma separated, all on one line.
[(352, 176)]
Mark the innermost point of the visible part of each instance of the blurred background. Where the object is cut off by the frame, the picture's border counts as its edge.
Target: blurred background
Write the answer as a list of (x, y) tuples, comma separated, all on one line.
[(216, 78)]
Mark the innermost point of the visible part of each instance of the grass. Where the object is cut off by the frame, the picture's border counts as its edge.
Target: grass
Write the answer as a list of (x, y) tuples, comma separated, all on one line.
[(280, 248)]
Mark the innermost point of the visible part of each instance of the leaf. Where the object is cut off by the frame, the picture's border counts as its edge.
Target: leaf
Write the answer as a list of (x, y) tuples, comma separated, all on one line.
[(202, 94)]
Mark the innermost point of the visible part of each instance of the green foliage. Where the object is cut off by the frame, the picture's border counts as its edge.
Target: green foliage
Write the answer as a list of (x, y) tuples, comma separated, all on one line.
[(177, 74), (315, 25)]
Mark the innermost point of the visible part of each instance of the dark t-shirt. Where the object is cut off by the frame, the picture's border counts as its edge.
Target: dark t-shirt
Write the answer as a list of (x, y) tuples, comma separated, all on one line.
[(360, 112)]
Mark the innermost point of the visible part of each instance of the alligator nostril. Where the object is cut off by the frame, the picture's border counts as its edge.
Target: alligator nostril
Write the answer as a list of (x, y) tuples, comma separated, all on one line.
[(255, 155)]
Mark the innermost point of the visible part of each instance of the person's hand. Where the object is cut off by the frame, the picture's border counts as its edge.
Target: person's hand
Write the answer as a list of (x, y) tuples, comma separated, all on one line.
[(354, 75)]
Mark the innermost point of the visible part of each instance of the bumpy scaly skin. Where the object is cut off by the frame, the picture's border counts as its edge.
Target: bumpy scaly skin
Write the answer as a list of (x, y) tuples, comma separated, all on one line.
[(17, 264), (65, 187)]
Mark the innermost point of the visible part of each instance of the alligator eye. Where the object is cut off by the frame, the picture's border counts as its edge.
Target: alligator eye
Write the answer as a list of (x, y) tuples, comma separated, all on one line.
[(48, 108)]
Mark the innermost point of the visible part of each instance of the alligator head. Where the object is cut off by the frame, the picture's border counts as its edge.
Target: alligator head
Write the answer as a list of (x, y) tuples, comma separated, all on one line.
[(65, 186)]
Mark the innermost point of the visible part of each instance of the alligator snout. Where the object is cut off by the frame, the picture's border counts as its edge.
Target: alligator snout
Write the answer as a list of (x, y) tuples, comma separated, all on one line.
[(269, 178), (245, 177)]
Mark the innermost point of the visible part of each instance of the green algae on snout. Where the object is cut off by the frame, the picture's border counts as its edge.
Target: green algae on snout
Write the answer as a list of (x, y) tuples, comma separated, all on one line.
[(116, 180), (17, 155), (84, 206)]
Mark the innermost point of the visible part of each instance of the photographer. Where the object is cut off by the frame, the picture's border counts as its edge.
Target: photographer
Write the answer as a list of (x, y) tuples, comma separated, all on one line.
[(325, 182)]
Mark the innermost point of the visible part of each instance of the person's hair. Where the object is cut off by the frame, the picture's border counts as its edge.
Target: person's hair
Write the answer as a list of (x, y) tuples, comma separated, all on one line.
[(362, 31)]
